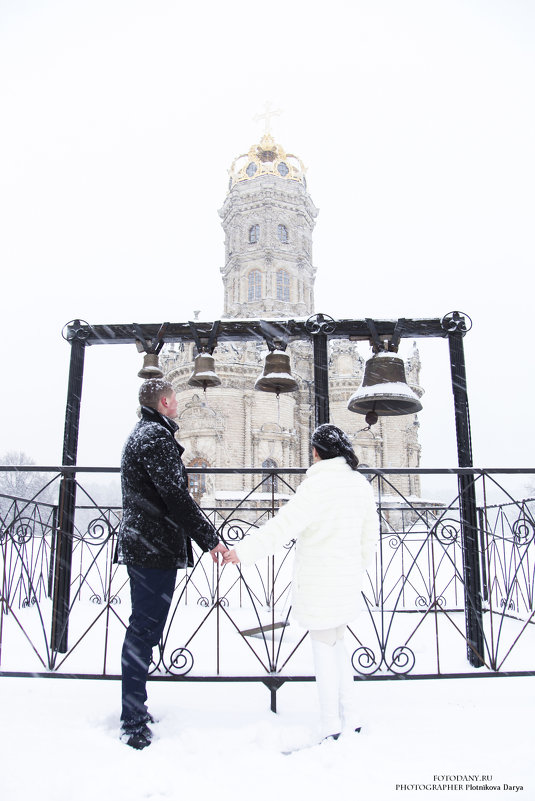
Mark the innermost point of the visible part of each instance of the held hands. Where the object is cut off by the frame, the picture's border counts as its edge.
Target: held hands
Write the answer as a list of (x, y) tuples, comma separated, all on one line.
[(219, 549), (231, 558), (227, 557)]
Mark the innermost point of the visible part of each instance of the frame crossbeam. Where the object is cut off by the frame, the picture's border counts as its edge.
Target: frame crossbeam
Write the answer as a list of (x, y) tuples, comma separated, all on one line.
[(235, 330)]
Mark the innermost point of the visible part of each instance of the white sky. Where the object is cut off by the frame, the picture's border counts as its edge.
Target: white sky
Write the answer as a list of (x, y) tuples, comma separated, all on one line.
[(120, 118)]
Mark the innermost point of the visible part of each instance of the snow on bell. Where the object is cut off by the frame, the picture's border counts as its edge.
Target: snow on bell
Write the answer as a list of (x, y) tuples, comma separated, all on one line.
[(204, 374), (277, 376), (151, 367), (384, 390)]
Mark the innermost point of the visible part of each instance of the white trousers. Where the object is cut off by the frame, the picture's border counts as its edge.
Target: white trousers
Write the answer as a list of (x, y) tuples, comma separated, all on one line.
[(334, 680)]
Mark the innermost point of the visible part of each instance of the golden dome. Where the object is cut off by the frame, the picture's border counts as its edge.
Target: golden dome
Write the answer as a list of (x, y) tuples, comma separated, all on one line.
[(266, 158)]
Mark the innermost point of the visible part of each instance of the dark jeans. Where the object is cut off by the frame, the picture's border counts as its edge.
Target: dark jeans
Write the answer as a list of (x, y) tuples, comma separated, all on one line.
[(151, 591)]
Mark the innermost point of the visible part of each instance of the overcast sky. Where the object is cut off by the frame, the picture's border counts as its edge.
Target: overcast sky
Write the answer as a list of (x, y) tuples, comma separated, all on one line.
[(120, 119)]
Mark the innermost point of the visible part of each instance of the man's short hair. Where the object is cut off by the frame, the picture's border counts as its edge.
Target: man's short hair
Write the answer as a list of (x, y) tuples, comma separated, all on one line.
[(152, 391)]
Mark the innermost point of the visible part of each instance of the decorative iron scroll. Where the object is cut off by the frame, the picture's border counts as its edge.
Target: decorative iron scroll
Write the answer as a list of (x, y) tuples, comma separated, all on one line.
[(238, 619)]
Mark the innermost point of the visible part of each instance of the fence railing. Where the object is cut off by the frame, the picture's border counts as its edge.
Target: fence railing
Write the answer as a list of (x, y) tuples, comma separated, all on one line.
[(235, 623)]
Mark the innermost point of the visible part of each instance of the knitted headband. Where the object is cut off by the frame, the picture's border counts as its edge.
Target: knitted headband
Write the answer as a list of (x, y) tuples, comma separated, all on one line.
[(331, 441)]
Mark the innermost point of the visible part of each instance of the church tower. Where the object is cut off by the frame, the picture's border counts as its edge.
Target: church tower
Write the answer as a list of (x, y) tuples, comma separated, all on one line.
[(268, 218)]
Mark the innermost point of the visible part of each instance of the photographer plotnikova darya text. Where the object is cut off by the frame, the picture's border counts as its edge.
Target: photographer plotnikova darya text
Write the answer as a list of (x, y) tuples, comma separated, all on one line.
[(458, 783)]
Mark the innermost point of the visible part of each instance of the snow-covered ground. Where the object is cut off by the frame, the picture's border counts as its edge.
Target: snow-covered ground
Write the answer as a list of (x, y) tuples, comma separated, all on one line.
[(219, 740)]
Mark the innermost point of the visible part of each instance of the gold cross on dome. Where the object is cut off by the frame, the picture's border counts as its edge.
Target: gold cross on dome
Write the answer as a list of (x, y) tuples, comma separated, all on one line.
[(266, 116)]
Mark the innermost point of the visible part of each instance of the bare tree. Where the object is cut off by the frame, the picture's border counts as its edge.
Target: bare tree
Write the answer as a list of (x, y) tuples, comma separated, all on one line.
[(24, 484)]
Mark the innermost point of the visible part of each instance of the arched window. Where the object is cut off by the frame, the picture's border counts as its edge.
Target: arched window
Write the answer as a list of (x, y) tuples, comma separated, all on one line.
[(282, 233), (197, 481), (254, 234), (254, 285), (283, 285), (271, 482)]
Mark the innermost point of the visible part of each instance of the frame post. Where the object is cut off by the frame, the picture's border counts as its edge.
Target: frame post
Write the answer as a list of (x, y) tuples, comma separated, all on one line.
[(67, 492), (319, 325), (455, 325)]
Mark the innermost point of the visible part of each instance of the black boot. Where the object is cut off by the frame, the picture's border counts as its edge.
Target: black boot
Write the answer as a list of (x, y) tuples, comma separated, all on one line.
[(336, 736), (137, 737)]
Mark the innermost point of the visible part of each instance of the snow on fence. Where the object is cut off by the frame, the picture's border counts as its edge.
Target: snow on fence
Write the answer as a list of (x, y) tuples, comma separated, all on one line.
[(235, 624)]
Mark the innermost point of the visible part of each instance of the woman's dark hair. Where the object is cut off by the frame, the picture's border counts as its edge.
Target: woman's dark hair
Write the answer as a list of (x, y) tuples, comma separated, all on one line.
[(330, 441)]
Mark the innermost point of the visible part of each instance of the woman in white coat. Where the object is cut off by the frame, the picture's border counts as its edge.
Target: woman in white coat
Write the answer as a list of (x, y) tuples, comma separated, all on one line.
[(333, 518)]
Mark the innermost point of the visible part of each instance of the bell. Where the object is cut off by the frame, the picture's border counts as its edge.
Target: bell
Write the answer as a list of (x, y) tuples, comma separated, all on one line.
[(277, 376), (204, 374), (384, 390), (151, 367)]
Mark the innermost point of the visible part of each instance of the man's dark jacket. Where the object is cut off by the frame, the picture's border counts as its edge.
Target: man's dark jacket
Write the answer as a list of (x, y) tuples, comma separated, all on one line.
[(159, 514)]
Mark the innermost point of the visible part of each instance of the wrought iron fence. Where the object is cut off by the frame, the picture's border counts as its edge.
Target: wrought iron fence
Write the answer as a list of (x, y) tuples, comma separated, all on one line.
[(235, 623)]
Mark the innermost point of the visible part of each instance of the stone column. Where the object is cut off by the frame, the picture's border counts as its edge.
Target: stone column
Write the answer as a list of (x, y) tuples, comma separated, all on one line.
[(247, 437)]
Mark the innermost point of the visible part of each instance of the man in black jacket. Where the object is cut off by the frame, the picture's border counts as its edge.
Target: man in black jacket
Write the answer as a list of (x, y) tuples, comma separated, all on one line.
[(159, 517)]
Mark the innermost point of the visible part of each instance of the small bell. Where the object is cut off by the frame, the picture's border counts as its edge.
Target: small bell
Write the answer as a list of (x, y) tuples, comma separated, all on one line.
[(151, 367), (384, 390), (204, 374), (277, 376)]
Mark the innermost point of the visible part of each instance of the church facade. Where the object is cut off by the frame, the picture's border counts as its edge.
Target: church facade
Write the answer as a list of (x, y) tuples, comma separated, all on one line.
[(268, 217)]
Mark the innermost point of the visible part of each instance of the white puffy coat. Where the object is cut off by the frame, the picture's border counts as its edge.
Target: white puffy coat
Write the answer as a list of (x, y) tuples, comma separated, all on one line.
[(333, 518)]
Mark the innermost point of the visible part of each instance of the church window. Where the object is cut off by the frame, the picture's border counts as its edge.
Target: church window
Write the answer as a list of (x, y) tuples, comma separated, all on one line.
[(254, 234), (270, 481), (197, 481), (344, 364), (283, 285), (282, 233), (254, 285)]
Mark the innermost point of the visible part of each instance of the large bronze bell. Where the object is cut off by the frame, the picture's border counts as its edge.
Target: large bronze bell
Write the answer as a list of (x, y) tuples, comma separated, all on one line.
[(384, 390), (151, 367), (277, 376), (204, 374)]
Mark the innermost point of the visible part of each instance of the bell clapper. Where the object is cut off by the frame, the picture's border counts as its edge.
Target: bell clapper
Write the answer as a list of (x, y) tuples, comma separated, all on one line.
[(371, 418)]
